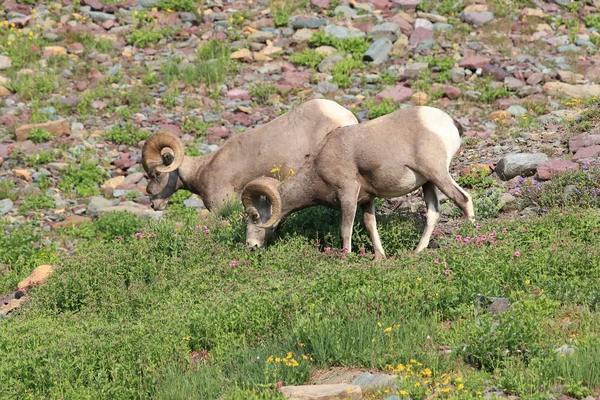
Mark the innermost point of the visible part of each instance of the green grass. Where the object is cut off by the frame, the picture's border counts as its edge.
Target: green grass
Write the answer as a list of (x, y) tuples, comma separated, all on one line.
[(126, 134), (125, 323)]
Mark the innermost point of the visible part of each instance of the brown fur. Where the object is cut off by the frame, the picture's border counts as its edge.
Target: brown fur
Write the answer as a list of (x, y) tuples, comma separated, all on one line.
[(288, 141), (387, 157)]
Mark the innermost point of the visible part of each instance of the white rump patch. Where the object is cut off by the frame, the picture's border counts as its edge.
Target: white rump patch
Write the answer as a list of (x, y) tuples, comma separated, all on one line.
[(343, 116), (440, 123)]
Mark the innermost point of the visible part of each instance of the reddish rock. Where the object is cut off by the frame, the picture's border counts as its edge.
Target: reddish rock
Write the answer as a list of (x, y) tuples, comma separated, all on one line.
[(420, 35), (587, 153), (170, 128), (95, 4), (75, 48), (583, 140), (535, 78), (296, 78), (109, 24), (476, 169), (491, 70), (37, 277), (399, 94), (283, 87), (381, 4), (81, 86), (551, 168), (452, 92), (474, 62), (238, 94), (56, 128), (364, 26), (125, 161), (405, 26), (1, 161), (239, 118), (217, 132), (324, 4), (169, 20), (125, 5), (593, 73)]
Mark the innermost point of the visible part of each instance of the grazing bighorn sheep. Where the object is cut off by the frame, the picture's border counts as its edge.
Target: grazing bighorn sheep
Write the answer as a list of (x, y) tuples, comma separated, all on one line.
[(386, 157), (288, 140)]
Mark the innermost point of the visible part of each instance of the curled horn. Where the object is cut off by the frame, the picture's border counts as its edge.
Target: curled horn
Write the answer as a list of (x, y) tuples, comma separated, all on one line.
[(162, 153), (263, 187)]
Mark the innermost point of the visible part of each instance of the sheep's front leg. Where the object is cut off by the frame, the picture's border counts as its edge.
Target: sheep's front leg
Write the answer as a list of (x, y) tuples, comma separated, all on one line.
[(348, 200), (431, 197), (368, 210)]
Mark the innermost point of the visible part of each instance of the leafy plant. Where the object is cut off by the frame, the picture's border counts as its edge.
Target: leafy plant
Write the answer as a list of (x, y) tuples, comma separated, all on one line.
[(307, 57), (39, 135), (477, 178), (118, 224), (126, 134), (82, 179), (385, 107)]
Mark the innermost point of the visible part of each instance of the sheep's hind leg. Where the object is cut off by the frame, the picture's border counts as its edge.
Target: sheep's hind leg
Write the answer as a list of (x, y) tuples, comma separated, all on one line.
[(348, 198), (368, 210), (446, 184), (431, 197)]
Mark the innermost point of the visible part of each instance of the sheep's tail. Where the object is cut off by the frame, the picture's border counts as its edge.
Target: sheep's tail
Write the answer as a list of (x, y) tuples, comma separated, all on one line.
[(459, 127)]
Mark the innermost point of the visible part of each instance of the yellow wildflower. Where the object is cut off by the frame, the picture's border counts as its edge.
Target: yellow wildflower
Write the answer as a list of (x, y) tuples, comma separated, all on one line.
[(460, 387), (388, 329), (527, 281), (458, 379), (270, 359), (403, 392), (445, 390), (277, 359), (413, 361)]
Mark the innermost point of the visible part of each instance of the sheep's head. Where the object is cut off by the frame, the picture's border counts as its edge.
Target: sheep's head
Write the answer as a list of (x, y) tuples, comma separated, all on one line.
[(161, 157), (262, 202)]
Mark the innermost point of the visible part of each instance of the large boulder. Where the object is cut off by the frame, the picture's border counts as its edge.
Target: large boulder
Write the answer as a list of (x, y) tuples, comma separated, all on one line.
[(519, 164)]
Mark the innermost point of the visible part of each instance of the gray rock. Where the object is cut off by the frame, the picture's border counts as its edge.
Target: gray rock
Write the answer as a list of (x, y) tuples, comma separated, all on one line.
[(519, 164), (568, 48), (562, 3), (261, 36), (458, 75), (476, 18), (499, 305), (309, 23), (329, 62), (386, 30), (6, 206), (302, 35), (369, 381), (100, 17), (379, 51), (566, 349), (194, 201), (97, 203), (569, 192), (324, 87), (5, 62), (346, 11), (139, 210), (211, 117), (188, 17), (114, 70), (516, 111), (341, 32), (373, 78), (148, 3), (442, 27)]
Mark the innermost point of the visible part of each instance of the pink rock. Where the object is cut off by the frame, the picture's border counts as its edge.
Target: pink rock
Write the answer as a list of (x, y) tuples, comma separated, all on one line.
[(421, 34), (587, 153), (125, 161), (551, 168), (81, 86), (217, 131), (109, 24), (474, 62), (405, 26), (324, 4), (593, 73), (170, 128), (239, 118), (296, 78), (583, 140), (75, 48), (452, 92), (64, 18), (399, 94), (381, 4), (283, 87), (239, 94), (95, 4), (364, 26)]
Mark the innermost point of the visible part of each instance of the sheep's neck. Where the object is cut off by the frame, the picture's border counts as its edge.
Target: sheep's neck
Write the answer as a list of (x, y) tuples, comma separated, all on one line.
[(190, 172), (300, 191)]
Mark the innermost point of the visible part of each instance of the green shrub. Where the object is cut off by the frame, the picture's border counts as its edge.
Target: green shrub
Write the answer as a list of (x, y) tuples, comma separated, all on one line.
[(341, 71), (82, 179), (178, 5), (355, 46), (477, 178), (38, 135), (37, 202), (126, 134), (118, 224), (379, 109), (307, 57)]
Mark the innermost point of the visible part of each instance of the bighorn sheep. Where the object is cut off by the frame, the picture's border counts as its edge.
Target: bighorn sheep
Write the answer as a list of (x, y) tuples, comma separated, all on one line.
[(286, 141), (386, 157)]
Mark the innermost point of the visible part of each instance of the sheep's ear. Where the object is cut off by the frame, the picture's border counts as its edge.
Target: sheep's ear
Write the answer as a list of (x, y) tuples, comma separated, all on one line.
[(253, 214)]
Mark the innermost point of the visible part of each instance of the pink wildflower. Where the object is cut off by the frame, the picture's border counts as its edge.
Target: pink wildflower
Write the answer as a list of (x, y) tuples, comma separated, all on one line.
[(233, 263), (328, 249), (436, 261), (458, 238), (447, 272), (478, 226), (504, 230), (517, 254), (536, 291)]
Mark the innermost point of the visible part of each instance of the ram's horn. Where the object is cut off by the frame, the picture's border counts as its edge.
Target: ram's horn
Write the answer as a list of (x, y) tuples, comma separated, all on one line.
[(162, 152), (263, 187)]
